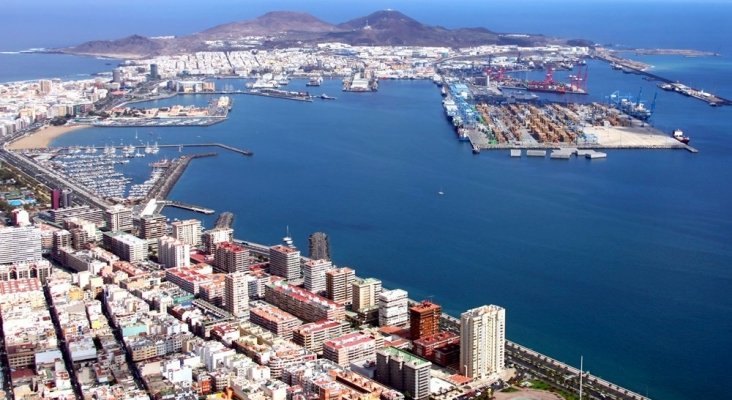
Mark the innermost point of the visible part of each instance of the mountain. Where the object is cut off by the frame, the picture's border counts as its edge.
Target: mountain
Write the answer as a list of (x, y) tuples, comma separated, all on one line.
[(134, 46), (394, 28), (285, 28), (271, 23)]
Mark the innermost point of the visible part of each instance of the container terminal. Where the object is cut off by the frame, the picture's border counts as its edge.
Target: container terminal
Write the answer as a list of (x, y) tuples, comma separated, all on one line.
[(499, 113)]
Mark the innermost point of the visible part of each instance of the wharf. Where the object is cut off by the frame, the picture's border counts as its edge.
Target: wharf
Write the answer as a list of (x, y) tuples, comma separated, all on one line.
[(225, 220), (630, 66), (184, 206), (297, 96), (165, 184), (168, 122), (537, 148), (237, 150)]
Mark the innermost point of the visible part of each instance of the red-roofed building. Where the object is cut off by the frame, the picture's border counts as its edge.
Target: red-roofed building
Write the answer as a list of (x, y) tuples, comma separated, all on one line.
[(351, 347), (428, 346), (311, 336), (301, 303), (273, 319)]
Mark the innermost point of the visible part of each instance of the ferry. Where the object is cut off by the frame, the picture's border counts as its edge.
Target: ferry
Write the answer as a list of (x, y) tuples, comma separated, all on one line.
[(314, 81), (678, 134)]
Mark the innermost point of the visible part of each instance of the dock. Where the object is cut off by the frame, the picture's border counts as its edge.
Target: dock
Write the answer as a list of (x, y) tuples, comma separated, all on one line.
[(635, 67), (237, 150), (184, 206), (166, 182), (225, 220)]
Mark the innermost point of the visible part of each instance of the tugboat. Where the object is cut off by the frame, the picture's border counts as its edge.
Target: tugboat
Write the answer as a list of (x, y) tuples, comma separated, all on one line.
[(678, 134)]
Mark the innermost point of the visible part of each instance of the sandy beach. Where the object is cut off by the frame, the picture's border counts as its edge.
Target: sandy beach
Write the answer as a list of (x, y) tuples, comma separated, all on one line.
[(43, 137)]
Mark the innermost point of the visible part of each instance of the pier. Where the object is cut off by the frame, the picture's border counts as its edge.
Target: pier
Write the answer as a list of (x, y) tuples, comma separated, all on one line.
[(635, 67), (184, 206), (166, 182), (237, 150), (225, 220)]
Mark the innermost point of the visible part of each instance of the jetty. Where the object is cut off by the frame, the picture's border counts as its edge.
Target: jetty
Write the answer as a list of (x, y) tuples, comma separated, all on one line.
[(184, 206), (237, 150), (635, 67), (165, 184), (225, 220)]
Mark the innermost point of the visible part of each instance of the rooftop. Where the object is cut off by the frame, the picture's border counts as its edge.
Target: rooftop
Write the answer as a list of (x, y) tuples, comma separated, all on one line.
[(410, 358)]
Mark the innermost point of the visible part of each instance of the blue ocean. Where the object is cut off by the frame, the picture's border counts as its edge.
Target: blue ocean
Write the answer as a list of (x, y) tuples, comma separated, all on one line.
[(624, 260)]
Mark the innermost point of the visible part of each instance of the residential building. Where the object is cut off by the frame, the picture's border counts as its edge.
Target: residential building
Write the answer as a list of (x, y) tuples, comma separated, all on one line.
[(188, 231), (314, 274), (338, 284), (424, 319), (284, 261), (301, 303), (236, 294), (20, 244), (118, 218), (212, 237), (152, 226), (231, 257), (351, 347), (173, 253), (125, 246), (404, 372), (482, 341), (273, 319), (365, 293), (311, 336), (393, 308)]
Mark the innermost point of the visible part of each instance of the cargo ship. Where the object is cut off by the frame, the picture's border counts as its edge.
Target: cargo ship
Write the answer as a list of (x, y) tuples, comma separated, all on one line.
[(678, 134), (632, 107)]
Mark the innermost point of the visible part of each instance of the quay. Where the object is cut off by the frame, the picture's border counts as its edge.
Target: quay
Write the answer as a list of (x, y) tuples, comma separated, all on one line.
[(631, 66), (165, 184), (184, 206), (280, 94), (225, 220), (237, 150)]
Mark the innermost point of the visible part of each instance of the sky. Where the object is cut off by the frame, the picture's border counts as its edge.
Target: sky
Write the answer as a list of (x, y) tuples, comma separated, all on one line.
[(46, 23)]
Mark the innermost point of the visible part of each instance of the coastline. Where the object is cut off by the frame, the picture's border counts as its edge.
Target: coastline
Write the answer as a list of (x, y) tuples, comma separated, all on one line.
[(43, 137)]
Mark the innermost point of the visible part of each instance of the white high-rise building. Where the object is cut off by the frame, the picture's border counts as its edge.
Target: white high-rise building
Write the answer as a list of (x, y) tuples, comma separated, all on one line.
[(188, 231), (314, 274), (236, 293), (173, 253), (20, 244), (212, 237), (393, 308), (482, 341)]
